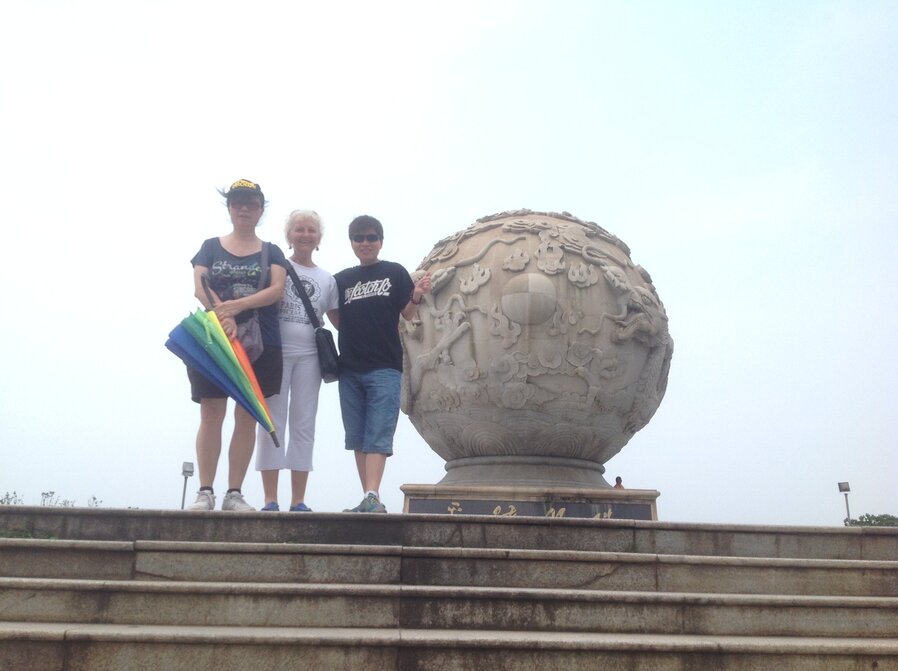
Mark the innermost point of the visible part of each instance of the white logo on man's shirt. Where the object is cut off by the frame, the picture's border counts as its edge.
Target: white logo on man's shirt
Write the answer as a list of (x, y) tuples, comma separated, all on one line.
[(368, 289)]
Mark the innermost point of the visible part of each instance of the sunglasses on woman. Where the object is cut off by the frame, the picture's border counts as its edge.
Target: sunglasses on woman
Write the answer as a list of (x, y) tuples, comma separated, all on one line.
[(370, 237)]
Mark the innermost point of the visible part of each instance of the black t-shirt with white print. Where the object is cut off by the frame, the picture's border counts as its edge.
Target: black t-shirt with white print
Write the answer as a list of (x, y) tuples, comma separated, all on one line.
[(371, 300), (234, 277)]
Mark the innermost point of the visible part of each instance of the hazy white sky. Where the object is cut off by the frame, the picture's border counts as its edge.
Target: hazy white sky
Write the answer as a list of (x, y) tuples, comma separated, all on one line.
[(747, 152)]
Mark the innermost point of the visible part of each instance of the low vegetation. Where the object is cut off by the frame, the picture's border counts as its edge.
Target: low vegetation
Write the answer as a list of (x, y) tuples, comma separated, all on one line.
[(50, 499), (873, 521)]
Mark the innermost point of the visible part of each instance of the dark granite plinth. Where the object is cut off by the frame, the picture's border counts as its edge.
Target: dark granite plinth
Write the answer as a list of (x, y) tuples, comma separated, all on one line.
[(514, 501)]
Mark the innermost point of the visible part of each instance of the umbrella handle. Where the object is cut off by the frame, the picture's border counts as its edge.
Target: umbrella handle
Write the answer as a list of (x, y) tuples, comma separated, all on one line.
[(205, 280)]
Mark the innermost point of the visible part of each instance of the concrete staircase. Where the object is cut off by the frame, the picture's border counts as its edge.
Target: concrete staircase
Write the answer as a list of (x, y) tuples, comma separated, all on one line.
[(131, 589)]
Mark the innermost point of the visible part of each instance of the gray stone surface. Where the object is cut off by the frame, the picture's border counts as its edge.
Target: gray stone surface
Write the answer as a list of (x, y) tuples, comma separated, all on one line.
[(443, 607), (108, 647), (268, 562), (390, 565), (541, 350), (870, 543), (444, 592)]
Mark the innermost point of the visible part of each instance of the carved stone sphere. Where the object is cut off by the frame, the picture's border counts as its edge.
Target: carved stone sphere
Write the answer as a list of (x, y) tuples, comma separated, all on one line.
[(538, 354)]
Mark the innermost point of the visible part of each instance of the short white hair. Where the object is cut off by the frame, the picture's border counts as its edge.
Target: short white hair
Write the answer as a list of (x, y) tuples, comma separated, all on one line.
[(302, 215)]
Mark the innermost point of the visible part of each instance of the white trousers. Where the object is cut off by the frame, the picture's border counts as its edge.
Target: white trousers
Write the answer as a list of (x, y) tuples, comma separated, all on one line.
[(293, 409)]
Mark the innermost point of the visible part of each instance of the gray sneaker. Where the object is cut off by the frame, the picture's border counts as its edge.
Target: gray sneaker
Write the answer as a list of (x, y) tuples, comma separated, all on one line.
[(205, 500), (235, 501), (369, 504)]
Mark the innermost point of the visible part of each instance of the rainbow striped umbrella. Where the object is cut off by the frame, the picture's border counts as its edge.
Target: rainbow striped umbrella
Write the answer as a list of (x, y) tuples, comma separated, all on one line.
[(200, 341)]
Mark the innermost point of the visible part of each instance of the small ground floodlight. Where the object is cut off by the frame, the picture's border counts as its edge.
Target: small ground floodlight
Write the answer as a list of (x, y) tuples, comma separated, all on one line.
[(186, 471), (844, 489)]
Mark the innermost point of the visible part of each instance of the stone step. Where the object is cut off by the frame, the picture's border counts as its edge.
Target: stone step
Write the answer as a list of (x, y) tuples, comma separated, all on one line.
[(405, 606), (876, 543), (321, 563), (77, 647), (648, 572)]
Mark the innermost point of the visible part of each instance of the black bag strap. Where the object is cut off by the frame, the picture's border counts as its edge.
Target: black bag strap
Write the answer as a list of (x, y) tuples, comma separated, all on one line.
[(303, 296), (263, 276), (265, 267), (204, 278)]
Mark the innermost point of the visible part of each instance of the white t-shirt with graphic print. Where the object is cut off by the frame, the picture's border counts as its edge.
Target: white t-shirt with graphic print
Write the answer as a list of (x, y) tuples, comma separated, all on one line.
[(297, 334)]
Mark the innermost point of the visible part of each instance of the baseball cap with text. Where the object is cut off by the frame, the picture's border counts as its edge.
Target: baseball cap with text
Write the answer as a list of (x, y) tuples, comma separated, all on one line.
[(244, 187)]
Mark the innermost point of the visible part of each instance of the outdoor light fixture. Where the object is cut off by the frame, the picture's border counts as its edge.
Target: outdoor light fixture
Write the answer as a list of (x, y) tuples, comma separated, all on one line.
[(186, 471), (844, 489)]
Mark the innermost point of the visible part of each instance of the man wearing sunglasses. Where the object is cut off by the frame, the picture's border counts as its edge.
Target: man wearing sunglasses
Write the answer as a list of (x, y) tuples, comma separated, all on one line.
[(372, 297)]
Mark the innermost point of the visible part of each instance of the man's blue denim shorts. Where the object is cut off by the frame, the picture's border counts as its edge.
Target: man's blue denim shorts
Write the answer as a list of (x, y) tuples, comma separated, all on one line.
[(369, 402)]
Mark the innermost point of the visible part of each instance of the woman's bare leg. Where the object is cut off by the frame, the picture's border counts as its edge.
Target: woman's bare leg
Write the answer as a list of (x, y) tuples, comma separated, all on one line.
[(208, 438)]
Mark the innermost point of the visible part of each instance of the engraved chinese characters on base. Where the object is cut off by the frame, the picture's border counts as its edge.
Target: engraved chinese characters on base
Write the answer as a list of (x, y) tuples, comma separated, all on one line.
[(525, 501), (540, 352)]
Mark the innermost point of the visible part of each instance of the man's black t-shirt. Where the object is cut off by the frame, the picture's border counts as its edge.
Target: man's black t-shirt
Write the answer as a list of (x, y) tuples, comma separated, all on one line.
[(371, 299)]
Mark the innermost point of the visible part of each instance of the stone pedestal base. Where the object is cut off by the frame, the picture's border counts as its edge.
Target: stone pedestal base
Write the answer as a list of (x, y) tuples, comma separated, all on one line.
[(512, 501), (521, 471)]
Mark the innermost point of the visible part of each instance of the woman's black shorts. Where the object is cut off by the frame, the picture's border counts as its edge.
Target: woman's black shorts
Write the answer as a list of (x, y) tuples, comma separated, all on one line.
[(268, 368)]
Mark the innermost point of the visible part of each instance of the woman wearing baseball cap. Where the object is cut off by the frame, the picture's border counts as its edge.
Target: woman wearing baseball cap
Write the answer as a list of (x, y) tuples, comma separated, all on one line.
[(244, 276)]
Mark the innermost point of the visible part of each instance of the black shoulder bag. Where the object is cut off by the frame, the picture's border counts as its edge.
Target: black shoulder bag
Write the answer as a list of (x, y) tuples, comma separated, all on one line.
[(324, 339)]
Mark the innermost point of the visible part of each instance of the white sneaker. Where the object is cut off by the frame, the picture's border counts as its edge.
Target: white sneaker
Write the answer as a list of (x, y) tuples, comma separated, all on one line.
[(235, 501), (205, 500)]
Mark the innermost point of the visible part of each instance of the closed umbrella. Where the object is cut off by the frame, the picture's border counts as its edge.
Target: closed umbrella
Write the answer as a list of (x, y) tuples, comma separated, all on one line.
[(201, 343)]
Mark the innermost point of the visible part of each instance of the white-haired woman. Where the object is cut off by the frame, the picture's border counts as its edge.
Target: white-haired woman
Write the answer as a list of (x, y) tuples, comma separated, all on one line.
[(295, 407)]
